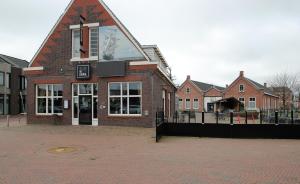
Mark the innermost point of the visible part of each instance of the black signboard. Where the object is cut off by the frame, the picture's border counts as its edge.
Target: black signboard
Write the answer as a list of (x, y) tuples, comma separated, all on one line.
[(112, 69), (83, 72)]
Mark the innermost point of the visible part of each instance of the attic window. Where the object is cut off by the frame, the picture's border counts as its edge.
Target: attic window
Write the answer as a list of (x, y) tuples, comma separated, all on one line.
[(188, 90), (242, 89)]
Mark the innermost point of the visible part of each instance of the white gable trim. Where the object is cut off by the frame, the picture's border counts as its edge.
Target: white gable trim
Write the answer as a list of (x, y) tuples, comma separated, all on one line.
[(33, 69), (109, 12), (52, 30)]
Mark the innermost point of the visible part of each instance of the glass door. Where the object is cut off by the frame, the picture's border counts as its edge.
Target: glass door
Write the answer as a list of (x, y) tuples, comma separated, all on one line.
[(85, 110), (85, 104)]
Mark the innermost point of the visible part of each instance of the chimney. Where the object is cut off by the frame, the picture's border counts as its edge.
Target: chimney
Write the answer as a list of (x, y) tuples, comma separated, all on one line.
[(188, 77), (266, 85), (241, 73)]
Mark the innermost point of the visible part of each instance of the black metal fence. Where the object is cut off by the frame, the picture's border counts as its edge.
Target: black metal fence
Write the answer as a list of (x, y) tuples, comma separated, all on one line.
[(247, 124)]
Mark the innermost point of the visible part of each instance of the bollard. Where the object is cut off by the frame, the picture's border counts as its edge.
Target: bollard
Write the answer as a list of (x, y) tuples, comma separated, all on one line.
[(246, 118), (292, 117), (217, 118), (260, 117), (276, 118), (231, 118), (7, 119), (203, 117)]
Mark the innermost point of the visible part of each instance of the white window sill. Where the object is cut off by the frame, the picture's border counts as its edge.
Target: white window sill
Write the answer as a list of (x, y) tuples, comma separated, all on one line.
[(125, 115), (84, 59), (48, 114)]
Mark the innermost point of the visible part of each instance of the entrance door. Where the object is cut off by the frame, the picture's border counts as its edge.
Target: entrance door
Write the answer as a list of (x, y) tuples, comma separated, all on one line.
[(85, 110)]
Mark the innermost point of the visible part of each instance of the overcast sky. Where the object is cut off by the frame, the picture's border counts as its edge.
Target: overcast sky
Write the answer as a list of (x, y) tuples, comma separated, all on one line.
[(211, 40)]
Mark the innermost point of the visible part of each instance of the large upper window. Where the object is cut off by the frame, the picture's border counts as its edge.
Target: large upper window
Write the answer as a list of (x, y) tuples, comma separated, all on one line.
[(115, 46), (49, 99), (252, 103), (125, 98), (76, 43), (94, 40), (2, 77)]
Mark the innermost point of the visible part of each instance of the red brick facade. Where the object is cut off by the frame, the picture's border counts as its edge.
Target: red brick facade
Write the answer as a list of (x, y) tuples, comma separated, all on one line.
[(263, 98), (55, 58)]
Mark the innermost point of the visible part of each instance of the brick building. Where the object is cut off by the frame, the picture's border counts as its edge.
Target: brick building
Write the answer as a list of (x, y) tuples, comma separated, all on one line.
[(12, 85), (90, 70), (198, 96), (253, 95)]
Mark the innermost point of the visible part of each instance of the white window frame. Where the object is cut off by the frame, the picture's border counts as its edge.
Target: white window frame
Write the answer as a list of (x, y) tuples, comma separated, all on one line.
[(90, 36), (75, 121), (188, 90), (186, 107), (194, 103), (180, 104), (240, 88), (124, 96), (73, 30), (251, 101), (47, 97), (242, 101)]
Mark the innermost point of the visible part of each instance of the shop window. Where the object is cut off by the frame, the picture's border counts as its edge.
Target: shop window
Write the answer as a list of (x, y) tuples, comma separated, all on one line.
[(125, 98), (115, 46), (49, 99), (76, 43)]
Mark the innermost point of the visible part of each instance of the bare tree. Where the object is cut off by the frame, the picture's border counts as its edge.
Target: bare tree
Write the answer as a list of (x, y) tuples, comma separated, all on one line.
[(283, 85)]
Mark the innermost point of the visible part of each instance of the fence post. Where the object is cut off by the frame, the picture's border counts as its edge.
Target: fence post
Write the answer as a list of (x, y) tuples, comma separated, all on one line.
[(231, 118), (260, 116), (217, 118), (292, 117), (7, 119), (189, 116), (176, 116), (246, 118), (203, 117), (276, 118)]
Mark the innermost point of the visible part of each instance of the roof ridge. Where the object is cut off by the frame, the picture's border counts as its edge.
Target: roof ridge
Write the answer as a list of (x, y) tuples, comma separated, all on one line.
[(14, 57)]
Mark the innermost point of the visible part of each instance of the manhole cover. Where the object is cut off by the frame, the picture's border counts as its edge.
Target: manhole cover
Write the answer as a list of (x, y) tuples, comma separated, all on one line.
[(61, 150)]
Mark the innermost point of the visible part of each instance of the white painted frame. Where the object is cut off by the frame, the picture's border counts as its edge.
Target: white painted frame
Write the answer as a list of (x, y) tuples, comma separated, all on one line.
[(73, 30), (251, 101), (47, 97), (186, 107), (75, 121), (194, 102), (90, 35), (241, 91), (123, 96)]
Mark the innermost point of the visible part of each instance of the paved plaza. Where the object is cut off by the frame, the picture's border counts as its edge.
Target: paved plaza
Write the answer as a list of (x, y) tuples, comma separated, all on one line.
[(51, 154)]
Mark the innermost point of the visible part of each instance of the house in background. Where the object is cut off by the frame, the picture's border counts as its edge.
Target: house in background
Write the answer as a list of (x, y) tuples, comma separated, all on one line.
[(286, 97), (198, 96), (253, 95), (90, 70), (12, 85)]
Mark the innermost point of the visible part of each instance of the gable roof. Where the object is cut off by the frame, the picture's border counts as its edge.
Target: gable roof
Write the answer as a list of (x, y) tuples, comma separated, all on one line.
[(18, 63), (206, 87), (261, 87), (118, 22)]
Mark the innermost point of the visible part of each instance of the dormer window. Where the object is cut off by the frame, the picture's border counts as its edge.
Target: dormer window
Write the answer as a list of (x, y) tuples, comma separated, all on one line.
[(242, 88), (75, 43), (188, 90)]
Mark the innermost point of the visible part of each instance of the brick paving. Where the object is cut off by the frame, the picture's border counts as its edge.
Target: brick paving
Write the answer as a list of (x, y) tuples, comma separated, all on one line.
[(129, 155)]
